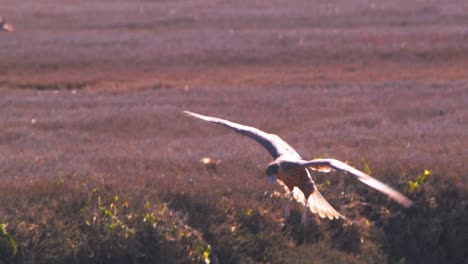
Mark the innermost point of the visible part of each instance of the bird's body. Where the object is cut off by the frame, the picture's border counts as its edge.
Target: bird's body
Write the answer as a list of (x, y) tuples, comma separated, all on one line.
[(4, 26), (292, 175), (293, 172)]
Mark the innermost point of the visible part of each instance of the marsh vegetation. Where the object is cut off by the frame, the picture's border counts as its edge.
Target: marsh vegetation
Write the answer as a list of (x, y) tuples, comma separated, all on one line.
[(98, 164)]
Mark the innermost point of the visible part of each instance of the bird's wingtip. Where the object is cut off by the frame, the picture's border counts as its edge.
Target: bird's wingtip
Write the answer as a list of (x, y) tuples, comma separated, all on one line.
[(192, 114), (409, 204), (189, 113)]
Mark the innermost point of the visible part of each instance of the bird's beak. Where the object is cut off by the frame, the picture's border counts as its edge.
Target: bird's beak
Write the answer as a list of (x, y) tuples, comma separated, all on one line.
[(271, 178)]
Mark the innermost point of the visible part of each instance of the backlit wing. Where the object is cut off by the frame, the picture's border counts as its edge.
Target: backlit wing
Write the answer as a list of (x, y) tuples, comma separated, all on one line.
[(272, 143), (325, 165)]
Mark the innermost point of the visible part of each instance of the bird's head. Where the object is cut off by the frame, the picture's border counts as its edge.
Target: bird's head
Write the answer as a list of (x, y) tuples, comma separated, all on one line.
[(272, 172)]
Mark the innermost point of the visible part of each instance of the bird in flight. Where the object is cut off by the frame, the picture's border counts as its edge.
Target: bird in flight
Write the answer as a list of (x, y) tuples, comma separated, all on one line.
[(5, 26), (293, 172)]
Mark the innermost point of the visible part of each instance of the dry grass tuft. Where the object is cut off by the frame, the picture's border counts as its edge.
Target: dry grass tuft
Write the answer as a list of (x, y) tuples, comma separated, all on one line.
[(68, 220)]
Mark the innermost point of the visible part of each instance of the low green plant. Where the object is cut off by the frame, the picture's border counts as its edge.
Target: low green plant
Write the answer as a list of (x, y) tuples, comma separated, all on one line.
[(418, 183), (11, 242), (366, 169), (206, 254)]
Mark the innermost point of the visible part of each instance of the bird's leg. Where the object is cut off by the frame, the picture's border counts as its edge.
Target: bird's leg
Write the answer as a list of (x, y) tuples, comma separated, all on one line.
[(304, 214), (287, 209)]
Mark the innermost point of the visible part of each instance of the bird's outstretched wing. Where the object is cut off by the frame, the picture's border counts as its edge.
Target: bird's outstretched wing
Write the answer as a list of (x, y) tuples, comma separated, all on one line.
[(325, 165), (273, 144)]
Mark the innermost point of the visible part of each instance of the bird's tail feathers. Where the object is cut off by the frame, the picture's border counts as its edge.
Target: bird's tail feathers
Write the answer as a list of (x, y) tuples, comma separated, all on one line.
[(299, 196), (318, 205)]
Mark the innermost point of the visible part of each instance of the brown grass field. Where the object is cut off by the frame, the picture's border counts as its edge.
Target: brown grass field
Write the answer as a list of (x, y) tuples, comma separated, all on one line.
[(99, 165)]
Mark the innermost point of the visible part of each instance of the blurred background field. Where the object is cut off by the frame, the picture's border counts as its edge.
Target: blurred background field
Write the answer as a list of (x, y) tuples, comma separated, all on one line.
[(99, 165)]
